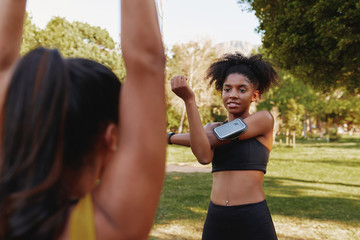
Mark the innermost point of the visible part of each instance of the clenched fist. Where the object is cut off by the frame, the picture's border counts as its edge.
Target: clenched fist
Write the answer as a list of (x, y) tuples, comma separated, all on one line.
[(180, 87)]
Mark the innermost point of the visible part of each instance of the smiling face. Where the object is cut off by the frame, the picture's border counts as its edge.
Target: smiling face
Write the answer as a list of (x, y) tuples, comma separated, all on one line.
[(237, 94)]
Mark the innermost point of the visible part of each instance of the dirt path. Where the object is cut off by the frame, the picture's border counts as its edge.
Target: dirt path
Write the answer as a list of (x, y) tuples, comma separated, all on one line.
[(187, 168)]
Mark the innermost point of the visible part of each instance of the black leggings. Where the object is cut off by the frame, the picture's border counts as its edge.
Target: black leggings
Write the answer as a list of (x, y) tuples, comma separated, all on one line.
[(248, 222)]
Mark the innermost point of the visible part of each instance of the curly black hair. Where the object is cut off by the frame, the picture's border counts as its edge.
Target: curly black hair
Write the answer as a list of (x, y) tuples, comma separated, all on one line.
[(260, 72)]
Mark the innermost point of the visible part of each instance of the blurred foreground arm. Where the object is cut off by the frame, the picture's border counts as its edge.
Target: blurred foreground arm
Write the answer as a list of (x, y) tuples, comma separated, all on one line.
[(131, 184), (12, 14)]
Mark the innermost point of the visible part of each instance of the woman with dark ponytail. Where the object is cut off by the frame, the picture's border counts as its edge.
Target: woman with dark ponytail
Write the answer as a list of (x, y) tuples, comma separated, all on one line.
[(237, 209), (64, 125)]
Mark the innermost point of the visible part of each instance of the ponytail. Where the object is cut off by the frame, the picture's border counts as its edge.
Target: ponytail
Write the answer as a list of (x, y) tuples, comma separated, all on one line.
[(32, 141)]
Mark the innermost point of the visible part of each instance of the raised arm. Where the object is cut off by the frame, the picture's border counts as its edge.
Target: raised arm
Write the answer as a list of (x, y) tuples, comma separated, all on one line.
[(199, 142), (131, 184), (12, 14)]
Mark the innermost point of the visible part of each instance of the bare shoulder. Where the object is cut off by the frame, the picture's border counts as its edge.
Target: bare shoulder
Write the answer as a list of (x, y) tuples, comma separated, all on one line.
[(260, 125), (267, 115), (263, 116)]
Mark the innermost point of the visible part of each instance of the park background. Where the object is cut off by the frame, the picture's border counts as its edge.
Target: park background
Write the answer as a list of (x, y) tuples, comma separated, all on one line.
[(313, 180)]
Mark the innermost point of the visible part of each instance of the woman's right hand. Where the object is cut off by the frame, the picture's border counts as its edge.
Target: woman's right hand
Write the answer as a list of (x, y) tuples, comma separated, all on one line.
[(180, 87)]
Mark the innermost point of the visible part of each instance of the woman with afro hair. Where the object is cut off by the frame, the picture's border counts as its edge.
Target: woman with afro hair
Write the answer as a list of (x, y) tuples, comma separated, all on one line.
[(238, 209)]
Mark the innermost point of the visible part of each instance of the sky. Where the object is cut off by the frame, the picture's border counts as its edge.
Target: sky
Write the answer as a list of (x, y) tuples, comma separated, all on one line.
[(183, 20)]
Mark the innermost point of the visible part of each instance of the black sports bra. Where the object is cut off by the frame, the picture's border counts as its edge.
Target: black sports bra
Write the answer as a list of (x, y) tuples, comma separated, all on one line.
[(247, 154)]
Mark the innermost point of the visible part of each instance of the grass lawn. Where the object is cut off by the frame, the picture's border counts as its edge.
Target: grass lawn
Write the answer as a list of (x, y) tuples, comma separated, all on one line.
[(313, 192)]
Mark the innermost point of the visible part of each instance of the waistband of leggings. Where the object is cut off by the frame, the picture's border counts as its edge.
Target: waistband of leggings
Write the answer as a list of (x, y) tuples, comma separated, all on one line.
[(237, 206)]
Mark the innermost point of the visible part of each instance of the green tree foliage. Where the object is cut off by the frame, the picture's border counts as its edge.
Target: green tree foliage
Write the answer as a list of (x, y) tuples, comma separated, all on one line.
[(290, 88), (327, 110), (317, 41), (30, 36), (75, 39), (294, 100), (292, 118), (341, 108)]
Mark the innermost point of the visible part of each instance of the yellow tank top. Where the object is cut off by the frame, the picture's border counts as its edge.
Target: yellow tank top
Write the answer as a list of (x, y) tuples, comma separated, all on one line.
[(82, 225)]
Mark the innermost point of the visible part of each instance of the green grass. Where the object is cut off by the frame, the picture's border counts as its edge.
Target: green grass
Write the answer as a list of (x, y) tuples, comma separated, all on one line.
[(313, 192), (180, 155)]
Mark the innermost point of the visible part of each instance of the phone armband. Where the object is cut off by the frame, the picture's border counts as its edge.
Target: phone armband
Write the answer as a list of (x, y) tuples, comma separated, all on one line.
[(230, 130)]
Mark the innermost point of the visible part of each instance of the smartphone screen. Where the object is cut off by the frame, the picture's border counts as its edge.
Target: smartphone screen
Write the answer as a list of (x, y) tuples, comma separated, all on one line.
[(230, 130)]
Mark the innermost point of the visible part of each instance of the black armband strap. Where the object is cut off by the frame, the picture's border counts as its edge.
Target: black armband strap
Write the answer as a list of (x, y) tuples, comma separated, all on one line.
[(230, 130), (169, 137)]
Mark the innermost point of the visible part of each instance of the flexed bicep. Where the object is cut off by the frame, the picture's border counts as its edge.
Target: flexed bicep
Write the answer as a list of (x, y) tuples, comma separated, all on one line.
[(260, 125)]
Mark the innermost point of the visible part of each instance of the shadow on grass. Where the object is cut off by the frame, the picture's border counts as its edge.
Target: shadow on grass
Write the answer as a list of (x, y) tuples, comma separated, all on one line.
[(187, 195), (288, 199), (314, 182), (347, 143), (338, 163)]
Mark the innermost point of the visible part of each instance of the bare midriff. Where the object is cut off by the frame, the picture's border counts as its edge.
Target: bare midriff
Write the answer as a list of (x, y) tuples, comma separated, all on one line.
[(231, 188)]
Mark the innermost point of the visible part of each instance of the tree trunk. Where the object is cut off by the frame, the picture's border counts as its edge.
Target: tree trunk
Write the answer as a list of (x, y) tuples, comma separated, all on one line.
[(287, 137), (294, 139), (180, 129), (275, 113), (182, 120), (159, 6), (318, 124), (304, 126)]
